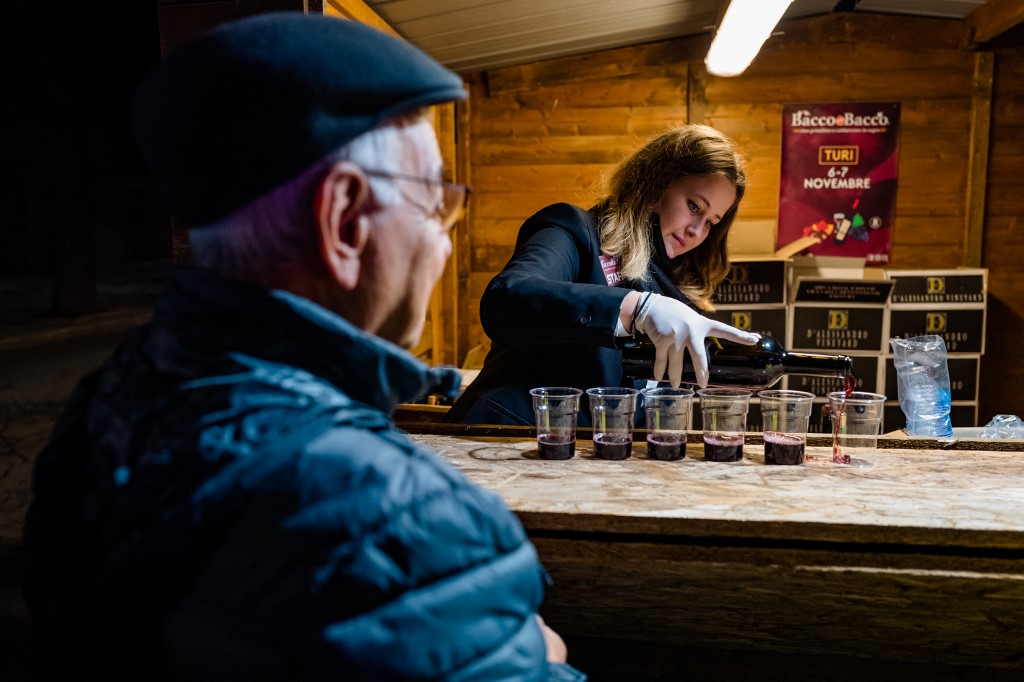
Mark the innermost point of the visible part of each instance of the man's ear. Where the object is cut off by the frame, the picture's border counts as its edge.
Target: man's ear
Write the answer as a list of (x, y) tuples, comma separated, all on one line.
[(341, 234)]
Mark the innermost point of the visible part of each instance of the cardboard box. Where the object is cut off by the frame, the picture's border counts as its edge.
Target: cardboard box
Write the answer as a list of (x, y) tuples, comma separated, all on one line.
[(939, 287), (752, 238), (838, 329), (964, 373), (765, 320), (820, 422), (829, 267), (868, 368), (838, 314), (961, 414), (824, 290), (753, 282), (950, 303), (962, 329)]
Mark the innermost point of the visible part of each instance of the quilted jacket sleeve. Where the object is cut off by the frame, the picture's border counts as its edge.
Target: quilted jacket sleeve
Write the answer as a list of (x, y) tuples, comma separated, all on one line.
[(408, 571)]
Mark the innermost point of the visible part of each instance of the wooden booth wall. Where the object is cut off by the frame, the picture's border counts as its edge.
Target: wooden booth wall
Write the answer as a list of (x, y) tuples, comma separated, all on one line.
[(550, 131), (1002, 368)]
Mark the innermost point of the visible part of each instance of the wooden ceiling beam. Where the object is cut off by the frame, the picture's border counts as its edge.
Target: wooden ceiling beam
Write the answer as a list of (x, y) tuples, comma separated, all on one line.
[(358, 11), (992, 19)]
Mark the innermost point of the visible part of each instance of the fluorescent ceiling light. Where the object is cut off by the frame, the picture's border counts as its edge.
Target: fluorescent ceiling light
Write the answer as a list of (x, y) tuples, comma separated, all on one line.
[(744, 28)]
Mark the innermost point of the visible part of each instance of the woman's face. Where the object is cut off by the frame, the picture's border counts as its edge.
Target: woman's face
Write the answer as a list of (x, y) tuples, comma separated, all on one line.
[(690, 207)]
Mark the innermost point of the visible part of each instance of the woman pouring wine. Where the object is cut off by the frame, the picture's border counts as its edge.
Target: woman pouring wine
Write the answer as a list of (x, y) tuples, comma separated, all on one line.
[(644, 260)]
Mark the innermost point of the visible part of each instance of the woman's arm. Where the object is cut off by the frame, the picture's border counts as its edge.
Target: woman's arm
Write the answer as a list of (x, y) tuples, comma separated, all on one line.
[(544, 293)]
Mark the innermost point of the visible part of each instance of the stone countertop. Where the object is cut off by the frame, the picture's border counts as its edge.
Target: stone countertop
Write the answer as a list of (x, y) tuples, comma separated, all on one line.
[(913, 496)]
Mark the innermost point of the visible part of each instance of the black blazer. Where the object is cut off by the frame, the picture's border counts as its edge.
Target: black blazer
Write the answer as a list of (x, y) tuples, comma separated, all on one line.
[(551, 316)]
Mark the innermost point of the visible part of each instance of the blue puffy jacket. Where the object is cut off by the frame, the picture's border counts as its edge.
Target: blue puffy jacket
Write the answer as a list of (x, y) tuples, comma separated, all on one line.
[(227, 498)]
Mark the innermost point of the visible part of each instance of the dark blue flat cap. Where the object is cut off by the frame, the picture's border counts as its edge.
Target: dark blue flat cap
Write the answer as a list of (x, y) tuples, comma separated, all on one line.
[(233, 113)]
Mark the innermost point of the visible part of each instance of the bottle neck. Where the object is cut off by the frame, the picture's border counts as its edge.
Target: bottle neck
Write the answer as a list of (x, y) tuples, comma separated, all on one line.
[(816, 364)]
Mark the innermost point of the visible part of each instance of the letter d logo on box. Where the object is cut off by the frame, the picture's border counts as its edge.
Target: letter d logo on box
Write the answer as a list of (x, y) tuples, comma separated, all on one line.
[(936, 285), (935, 322), (838, 319), (741, 321), (739, 274)]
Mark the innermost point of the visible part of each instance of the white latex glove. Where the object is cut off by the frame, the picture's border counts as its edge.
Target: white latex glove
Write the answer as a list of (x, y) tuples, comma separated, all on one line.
[(673, 327)]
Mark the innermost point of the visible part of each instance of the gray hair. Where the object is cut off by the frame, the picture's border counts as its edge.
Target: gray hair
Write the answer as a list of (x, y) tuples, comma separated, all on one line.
[(277, 231)]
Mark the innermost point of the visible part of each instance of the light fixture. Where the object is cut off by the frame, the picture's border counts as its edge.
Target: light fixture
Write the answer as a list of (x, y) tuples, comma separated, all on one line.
[(744, 28)]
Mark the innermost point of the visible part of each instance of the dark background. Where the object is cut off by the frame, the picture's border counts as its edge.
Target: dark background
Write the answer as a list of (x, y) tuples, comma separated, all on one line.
[(75, 198)]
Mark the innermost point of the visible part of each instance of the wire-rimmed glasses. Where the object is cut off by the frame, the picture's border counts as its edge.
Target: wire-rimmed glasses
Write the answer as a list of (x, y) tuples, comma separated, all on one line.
[(454, 196)]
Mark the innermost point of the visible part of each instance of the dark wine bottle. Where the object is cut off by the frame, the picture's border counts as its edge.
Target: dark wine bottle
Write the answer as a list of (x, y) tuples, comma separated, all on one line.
[(732, 364)]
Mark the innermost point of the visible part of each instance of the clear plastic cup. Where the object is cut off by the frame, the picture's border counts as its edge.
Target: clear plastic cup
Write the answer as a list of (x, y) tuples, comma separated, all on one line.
[(556, 409), (612, 410), (784, 418), (668, 419), (724, 412), (856, 421)]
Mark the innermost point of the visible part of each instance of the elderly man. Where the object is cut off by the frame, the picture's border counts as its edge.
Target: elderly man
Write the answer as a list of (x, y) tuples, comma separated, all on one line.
[(227, 498)]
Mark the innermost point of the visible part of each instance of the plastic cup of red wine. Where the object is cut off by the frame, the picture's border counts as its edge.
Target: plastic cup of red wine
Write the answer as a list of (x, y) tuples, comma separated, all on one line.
[(856, 422), (667, 411), (784, 418), (556, 409), (724, 413), (611, 411)]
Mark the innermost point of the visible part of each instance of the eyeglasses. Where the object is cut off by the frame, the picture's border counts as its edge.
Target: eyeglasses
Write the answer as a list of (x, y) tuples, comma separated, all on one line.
[(454, 196)]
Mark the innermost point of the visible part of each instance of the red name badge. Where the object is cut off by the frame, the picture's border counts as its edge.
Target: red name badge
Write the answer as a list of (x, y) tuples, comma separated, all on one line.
[(610, 266)]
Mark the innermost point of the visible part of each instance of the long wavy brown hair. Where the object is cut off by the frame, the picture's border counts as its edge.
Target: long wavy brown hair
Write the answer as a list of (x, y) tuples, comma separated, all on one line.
[(636, 186)]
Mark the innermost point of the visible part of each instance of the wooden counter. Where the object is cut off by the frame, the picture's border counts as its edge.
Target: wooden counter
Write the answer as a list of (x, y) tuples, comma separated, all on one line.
[(918, 557)]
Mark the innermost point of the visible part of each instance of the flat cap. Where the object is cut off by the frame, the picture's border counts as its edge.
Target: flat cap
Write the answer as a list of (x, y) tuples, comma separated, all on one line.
[(233, 113)]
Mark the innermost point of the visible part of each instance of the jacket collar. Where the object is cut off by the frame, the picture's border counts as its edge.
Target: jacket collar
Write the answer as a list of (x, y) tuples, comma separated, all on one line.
[(213, 315)]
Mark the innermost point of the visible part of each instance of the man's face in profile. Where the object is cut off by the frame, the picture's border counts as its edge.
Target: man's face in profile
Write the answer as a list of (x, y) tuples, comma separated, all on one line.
[(407, 247)]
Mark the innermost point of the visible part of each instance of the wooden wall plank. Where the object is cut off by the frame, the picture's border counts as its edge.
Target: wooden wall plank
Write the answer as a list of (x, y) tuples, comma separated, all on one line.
[(817, 35), (977, 155), (556, 177), (523, 204), (627, 61), (992, 19), (909, 83), (465, 304), (665, 87), (608, 149), (444, 310), (565, 120), (1002, 373), (358, 11)]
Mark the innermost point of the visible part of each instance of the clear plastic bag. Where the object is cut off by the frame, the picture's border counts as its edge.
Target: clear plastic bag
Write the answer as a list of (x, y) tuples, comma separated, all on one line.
[(923, 378), (1004, 426)]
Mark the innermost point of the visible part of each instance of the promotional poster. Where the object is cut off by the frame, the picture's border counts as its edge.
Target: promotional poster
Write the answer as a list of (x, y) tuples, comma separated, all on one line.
[(837, 190)]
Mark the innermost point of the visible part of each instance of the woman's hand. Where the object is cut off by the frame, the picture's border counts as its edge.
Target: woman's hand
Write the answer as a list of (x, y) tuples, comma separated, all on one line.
[(673, 327)]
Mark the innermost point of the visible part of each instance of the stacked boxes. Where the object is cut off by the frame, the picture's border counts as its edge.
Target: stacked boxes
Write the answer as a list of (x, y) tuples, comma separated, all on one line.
[(753, 298), (951, 304), (822, 305), (839, 317)]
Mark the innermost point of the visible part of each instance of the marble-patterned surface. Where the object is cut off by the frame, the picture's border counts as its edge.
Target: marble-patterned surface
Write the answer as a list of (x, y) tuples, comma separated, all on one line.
[(916, 558), (971, 497)]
